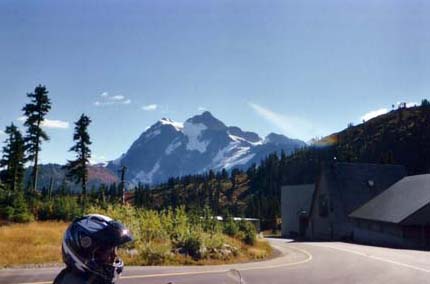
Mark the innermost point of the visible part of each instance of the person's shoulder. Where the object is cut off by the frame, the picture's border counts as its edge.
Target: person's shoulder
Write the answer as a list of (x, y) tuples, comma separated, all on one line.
[(67, 276)]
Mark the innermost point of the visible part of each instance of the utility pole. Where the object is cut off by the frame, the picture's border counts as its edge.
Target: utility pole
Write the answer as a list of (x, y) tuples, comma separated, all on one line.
[(122, 172)]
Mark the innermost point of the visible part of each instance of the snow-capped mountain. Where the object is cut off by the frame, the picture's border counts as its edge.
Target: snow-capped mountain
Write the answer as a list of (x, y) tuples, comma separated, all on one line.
[(171, 149)]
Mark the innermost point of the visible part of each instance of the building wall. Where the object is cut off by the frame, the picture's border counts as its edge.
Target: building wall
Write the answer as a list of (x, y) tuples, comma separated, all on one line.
[(421, 217), (387, 234), (381, 238), (321, 225), (294, 200)]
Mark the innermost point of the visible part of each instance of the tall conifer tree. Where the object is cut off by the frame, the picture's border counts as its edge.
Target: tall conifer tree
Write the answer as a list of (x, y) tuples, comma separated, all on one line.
[(13, 159), (78, 168), (35, 113)]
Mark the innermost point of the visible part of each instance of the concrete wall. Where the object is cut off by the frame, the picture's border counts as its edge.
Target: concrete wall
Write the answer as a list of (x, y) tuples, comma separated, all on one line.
[(367, 236), (387, 234), (321, 227), (294, 199), (421, 217)]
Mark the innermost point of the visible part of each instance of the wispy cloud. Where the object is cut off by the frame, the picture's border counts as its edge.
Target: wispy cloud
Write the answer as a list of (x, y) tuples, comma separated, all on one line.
[(150, 107), (105, 100), (55, 124), (117, 98), (294, 127), (377, 112), (202, 108), (2, 133), (374, 113), (50, 123)]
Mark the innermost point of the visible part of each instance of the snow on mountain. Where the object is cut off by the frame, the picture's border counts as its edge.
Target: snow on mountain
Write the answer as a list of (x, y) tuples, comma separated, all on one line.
[(194, 132), (172, 146), (169, 149), (167, 121), (251, 137), (241, 139), (144, 177), (232, 155), (152, 134)]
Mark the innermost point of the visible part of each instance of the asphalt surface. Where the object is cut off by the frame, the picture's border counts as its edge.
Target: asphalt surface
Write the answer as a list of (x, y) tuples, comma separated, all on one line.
[(318, 262)]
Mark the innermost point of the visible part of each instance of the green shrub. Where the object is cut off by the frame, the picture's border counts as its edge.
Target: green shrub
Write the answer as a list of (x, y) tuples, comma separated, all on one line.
[(193, 245), (249, 232), (151, 254), (61, 208), (230, 227), (23, 217), (13, 207), (161, 237), (7, 212), (181, 225)]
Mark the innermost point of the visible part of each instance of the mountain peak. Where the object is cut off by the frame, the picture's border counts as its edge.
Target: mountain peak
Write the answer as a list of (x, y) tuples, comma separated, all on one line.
[(167, 121), (202, 142), (208, 120), (247, 135)]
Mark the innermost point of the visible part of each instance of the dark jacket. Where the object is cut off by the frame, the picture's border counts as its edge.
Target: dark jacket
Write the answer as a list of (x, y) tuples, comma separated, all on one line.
[(72, 276)]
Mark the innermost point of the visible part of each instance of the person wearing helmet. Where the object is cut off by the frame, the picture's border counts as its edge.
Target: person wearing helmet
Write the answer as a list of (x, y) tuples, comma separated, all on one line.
[(90, 250)]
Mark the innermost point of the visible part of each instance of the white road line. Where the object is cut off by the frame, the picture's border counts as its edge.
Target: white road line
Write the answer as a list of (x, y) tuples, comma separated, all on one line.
[(383, 259)]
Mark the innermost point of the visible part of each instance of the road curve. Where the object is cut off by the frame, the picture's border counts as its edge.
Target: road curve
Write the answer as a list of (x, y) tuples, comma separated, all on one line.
[(298, 263)]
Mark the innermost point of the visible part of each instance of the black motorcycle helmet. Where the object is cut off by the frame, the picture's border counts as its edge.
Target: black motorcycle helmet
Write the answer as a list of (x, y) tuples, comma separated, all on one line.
[(90, 244)]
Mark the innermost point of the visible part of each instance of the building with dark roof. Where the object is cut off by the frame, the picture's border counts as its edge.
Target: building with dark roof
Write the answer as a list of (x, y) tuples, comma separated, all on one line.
[(342, 188), (398, 216), (370, 203)]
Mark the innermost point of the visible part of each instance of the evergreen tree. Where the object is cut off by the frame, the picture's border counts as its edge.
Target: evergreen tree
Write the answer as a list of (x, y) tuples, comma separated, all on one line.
[(13, 206), (78, 169), (35, 113), (224, 174), (13, 159), (64, 189)]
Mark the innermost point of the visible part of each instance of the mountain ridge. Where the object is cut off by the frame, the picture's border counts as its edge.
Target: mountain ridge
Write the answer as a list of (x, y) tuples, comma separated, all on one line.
[(201, 143)]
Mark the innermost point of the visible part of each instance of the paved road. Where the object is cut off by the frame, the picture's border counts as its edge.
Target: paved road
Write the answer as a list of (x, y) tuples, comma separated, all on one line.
[(299, 263)]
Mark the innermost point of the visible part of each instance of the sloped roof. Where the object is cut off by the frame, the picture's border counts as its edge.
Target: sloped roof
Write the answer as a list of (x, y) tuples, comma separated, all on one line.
[(357, 183), (398, 202)]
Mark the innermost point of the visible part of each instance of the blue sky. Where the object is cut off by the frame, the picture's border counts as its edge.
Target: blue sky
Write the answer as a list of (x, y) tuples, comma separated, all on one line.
[(301, 68)]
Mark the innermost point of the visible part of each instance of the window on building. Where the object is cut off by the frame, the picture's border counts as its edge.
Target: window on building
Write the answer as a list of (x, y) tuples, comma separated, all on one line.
[(323, 205)]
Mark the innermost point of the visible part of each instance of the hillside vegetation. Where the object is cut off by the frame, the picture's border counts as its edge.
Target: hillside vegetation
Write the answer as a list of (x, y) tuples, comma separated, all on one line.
[(399, 137), (160, 238)]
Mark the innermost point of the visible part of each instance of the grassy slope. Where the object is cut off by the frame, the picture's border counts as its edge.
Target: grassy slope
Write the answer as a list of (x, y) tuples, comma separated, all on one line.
[(40, 243), (34, 243)]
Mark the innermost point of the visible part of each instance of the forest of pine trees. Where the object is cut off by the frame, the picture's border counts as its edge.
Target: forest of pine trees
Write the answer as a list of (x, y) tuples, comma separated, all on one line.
[(21, 202)]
